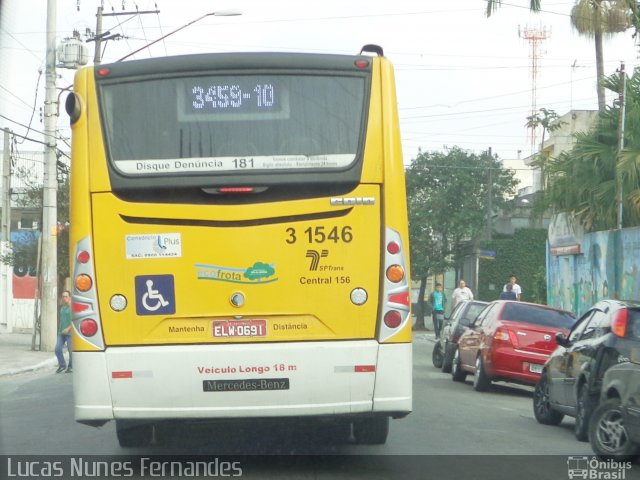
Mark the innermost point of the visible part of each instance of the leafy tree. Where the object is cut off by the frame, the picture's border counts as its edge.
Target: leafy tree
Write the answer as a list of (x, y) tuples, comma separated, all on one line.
[(448, 195), (26, 253), (584, 181), (596, 19)]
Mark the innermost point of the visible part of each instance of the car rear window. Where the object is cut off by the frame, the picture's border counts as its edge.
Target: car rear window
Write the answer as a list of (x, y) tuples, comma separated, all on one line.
[(519, 312)]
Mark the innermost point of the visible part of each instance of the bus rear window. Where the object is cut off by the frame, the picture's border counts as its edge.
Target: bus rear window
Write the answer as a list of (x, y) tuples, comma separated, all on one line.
[(227, 123)]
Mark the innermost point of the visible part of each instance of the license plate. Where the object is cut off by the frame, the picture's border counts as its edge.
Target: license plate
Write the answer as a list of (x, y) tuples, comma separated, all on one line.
[(535, 368), (245, 385), (239, 328)]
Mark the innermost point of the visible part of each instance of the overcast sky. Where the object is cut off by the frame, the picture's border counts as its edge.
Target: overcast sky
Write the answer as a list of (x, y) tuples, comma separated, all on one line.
[(462, 79)]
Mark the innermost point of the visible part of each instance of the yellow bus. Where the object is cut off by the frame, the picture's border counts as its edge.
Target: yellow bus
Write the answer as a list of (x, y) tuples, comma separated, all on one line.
[(239, 243)]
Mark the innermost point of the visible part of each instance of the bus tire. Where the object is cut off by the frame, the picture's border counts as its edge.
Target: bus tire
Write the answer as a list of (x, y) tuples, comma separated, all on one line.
[(371, 431), (132, 434), (334, 433)]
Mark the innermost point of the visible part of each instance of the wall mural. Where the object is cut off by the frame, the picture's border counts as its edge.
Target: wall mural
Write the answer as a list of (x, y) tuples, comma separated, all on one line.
[(607, 267)]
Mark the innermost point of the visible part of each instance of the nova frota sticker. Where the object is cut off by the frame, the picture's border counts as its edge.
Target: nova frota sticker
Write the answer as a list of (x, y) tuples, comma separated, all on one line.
[(259, 272)]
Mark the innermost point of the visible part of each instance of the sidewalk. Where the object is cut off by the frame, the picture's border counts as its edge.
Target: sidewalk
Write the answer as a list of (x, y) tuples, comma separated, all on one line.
[(16, 355)]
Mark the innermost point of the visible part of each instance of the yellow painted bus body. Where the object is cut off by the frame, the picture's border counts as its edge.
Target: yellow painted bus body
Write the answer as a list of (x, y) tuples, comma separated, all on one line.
[(262, 292)]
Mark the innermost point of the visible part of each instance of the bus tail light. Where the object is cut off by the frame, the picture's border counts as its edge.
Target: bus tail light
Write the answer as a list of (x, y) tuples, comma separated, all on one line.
[(395, 273), (619, 322), (393, 248), (83, 256), (88, 327), (77, 307), (393, 319), (83, 282), (395, 310), (84, 299)]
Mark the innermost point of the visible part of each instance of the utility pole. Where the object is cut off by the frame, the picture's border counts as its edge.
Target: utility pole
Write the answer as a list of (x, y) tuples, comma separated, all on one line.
[(49, 294), (622, 100), (104, 36), (6, 227), (490, 197), (98, 37)]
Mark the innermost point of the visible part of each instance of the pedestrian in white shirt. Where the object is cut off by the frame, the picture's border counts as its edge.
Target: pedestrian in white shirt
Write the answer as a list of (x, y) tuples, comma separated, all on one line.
[(461, 293), (515, 287)]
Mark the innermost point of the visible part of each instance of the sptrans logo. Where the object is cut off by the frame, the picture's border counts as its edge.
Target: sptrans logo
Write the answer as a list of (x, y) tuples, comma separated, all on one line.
[(592, 468)]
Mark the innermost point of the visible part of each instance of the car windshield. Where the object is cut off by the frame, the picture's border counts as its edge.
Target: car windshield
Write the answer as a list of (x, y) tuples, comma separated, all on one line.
[(519, 312)]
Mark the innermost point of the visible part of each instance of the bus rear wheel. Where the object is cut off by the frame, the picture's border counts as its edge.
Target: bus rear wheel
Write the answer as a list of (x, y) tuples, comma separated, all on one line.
[(371, 431), (133, 434)]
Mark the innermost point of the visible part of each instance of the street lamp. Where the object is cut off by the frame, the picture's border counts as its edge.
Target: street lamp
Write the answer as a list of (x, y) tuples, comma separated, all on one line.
[(223, 13)]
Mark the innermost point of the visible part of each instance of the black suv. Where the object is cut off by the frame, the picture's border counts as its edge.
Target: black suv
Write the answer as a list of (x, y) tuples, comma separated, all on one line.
[(572, 376), (463, 314), (614, 428)]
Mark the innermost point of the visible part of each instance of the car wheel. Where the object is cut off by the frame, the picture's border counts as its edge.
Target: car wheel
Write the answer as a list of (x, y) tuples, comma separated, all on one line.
[(436, 356), (481, 382), (457, 374), (608, 434), (448, 357), (584, 408), (541, 404)]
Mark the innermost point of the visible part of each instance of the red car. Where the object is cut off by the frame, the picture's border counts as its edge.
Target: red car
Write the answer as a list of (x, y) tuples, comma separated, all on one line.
[(509, 341)]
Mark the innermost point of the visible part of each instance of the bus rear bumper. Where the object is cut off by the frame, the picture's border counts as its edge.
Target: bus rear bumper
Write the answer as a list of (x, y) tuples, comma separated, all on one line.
[(349, 378)]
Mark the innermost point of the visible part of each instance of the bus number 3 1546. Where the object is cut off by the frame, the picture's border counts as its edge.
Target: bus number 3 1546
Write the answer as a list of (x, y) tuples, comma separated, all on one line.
[(321, 234)]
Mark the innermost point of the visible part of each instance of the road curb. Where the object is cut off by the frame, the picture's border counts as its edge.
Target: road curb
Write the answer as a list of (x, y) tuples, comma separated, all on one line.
[(40, 366)]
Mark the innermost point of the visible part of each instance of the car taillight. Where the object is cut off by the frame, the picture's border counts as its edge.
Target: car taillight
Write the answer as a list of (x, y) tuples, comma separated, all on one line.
[(619, 323), (506, 336)]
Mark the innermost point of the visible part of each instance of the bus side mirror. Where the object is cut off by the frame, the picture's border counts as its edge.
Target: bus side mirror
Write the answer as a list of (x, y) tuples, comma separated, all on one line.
[(72, 107)]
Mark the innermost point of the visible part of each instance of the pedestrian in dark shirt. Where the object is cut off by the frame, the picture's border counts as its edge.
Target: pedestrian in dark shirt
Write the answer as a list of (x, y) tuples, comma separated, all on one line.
[(508, 293)]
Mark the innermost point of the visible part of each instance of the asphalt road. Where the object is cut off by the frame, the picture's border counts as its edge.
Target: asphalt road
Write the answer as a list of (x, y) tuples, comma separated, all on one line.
[(452, 432)]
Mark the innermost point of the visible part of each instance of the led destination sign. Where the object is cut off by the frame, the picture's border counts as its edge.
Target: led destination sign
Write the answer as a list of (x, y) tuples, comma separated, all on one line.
[(229, 98)]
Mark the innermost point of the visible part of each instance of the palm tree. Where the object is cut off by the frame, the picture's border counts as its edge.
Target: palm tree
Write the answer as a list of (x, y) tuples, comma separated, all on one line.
[(550, 122), (584, 181), (593, 18)]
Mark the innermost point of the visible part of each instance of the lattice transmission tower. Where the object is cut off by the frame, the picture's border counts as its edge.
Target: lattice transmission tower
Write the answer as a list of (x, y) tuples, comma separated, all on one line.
[(535, 37)]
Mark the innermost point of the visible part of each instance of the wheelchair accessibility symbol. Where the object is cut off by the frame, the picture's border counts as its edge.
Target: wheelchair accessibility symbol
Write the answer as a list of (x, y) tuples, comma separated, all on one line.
[(155, 295)]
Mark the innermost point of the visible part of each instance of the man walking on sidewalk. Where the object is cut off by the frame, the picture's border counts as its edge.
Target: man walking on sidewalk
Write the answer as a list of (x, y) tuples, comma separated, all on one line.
[(438, 302), (64, 333)]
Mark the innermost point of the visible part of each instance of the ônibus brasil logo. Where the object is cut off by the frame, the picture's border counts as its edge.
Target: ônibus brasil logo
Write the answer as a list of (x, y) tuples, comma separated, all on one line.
[(592, 468)]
